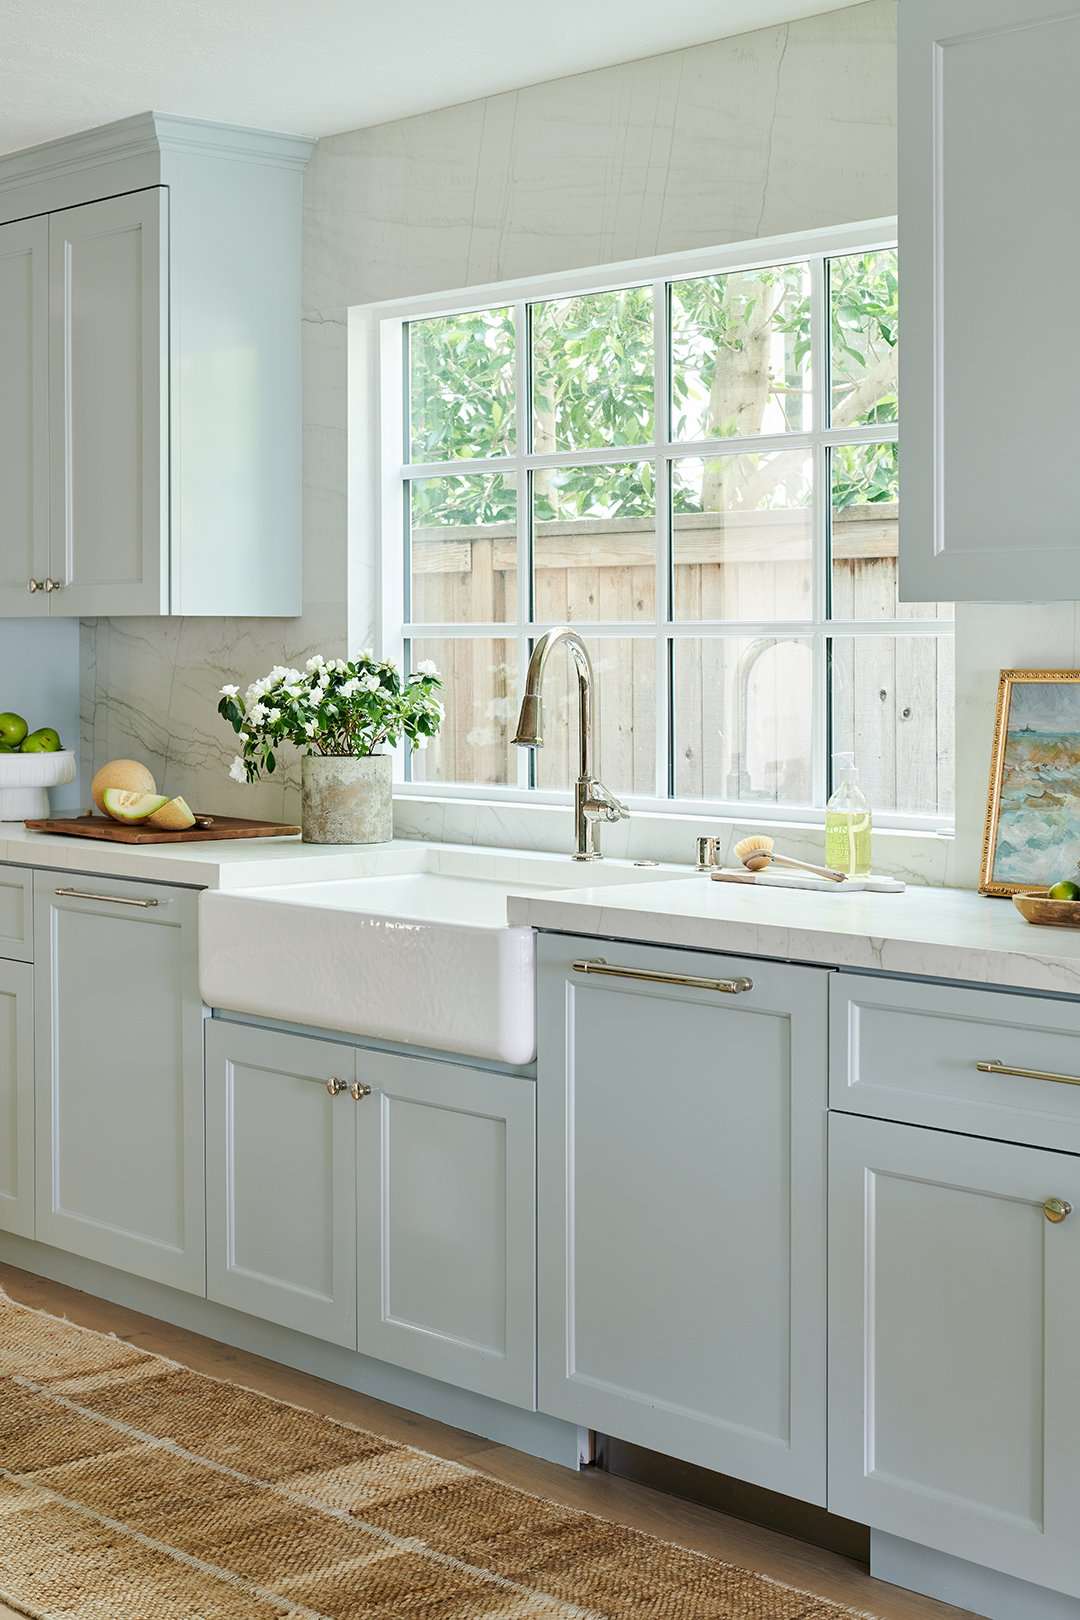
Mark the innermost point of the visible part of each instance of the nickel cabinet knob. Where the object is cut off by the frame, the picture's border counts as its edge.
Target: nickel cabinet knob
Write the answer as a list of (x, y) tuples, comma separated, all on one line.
[(35, 585), (54, 584)]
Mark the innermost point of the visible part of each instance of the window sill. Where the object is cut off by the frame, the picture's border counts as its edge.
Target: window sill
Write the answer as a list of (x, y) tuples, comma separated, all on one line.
[(926, 858)]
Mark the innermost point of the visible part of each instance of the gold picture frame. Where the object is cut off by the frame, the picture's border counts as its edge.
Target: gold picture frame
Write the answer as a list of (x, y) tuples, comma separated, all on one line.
[(1033, 805)]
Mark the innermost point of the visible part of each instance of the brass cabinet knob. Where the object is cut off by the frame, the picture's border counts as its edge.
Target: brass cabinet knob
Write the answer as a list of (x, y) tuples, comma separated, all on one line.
[(334, 1086), (359, 1091), (34, 585), (54, 584), (1056, 1209)]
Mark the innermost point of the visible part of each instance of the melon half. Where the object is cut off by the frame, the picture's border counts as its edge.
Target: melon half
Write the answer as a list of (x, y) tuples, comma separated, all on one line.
[(175, 815), (121, 773), (129, 807)]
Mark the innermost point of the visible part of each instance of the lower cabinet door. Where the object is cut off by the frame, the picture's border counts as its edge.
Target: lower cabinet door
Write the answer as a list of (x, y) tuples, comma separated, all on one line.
[(954, 1416), (17, 1098), (682, 1136), (281, 1179), (446, 1223), (118, 1057)]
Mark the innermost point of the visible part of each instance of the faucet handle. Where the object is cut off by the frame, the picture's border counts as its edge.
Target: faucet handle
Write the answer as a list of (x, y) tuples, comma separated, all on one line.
[(601, 804), (708, 854)]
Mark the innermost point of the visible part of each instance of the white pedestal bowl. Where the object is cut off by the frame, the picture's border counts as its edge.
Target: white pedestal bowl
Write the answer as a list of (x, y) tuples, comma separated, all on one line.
[(26, 778)]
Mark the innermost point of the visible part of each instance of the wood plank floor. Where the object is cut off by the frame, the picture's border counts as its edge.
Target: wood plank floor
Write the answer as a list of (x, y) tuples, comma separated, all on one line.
[(744, 1544)]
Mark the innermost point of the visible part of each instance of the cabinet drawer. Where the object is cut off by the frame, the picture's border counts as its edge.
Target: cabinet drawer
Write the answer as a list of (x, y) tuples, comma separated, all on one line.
[(912, 1052), (16, 913)]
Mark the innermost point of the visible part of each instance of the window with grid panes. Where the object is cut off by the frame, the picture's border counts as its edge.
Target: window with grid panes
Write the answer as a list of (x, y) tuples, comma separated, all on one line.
[(699, 472)]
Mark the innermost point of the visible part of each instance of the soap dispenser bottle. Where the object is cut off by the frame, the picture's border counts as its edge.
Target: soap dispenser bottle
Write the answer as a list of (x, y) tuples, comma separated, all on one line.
[(847, 821)]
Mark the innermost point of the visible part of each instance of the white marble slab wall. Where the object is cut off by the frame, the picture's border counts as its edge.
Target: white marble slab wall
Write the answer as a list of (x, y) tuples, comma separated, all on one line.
[(778, 130)]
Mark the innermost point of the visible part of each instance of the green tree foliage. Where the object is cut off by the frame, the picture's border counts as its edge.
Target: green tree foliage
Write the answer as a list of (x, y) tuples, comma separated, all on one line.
[(740, 366)]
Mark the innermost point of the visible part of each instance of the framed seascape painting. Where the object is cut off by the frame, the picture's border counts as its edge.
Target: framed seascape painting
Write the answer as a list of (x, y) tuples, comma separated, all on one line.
[(1033, 816)]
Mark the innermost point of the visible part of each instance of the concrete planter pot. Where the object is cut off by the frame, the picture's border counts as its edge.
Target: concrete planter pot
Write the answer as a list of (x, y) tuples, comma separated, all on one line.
[(347, 800)]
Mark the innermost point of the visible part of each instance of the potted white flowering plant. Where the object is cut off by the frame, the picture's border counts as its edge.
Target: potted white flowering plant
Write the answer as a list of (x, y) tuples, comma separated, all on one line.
[(346, 714)]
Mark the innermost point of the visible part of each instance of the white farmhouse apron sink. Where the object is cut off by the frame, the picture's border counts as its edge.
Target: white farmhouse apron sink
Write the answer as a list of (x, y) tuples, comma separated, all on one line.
[(420, 953)]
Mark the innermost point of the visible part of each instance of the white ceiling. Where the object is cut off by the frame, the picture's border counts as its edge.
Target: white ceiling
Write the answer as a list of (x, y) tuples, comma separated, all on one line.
[(316, 66)]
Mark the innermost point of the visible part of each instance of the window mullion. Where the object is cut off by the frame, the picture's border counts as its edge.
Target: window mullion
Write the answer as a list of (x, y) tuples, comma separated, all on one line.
[(665, 741), (821, 697), (523, 479)]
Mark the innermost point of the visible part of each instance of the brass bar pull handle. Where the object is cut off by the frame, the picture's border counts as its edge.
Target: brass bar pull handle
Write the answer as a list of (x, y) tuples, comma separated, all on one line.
[(1056, 1209), (994, 1067), (723, 987), (113, 899)]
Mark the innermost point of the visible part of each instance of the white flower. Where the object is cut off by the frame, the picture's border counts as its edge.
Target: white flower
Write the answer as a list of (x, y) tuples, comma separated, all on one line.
[(237, 770), (350, 686), (311, 727), (229, 691), (257, 712), (274, 714), (316, 661), (367, 655), (426, 667), (371, 683)]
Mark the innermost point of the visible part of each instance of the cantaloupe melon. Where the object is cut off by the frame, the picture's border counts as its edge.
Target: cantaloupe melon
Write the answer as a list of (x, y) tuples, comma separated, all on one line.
[(175, 815), (131, 807), (127, 774)]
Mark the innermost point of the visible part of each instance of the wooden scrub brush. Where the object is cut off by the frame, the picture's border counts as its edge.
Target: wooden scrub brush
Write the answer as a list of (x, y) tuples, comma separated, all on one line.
[(757, 852)]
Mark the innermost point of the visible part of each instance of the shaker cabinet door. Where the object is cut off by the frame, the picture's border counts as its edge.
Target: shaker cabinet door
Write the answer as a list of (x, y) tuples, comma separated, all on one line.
[(954, 1316), (24, 417), (446, 1222), (281, 1179), (119, 1076), (682, 1118), (17, 1098), (989, 132), (109, 405)]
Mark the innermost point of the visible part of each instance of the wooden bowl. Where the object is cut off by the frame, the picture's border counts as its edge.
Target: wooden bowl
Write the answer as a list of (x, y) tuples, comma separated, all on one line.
[(1039, 908)]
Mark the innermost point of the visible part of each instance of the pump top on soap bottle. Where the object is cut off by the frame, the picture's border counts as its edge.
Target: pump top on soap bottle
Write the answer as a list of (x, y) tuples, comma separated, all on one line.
[(847, 821)]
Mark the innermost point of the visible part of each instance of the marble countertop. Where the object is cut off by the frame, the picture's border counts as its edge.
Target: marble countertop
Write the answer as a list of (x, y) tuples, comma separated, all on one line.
[(932, 932), (935, 933), (227, 863)]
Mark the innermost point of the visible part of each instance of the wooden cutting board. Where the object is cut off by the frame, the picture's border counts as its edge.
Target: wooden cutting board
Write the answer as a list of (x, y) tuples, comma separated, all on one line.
[(116, 832)]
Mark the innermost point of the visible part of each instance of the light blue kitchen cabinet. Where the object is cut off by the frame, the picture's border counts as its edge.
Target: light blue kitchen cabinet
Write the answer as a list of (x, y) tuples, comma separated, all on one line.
[(281, 1179), (119, 1075), (446, 1222), (382, 1202), (17, 1098), (150, 444), (682, 1205), (989, 128), (24, 416), (17, 913), (954, 1295)]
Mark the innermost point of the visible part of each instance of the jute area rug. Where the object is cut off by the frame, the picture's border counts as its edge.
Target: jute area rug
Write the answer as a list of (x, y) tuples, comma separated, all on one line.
[(134, 1489)]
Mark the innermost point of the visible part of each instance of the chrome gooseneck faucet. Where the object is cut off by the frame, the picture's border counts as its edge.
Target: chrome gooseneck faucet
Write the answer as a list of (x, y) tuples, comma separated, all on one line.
[(593, 802)]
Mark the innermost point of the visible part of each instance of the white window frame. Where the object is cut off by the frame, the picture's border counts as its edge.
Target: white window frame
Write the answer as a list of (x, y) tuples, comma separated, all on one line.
[(379, 475)]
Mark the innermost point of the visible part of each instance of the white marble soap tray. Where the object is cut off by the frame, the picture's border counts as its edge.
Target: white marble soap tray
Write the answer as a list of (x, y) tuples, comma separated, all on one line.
[(26, 778), (806, 880)]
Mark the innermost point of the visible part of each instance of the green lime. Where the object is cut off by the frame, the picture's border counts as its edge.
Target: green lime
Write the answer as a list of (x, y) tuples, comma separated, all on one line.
[(1065, 890), (13, 728), (43, 741)]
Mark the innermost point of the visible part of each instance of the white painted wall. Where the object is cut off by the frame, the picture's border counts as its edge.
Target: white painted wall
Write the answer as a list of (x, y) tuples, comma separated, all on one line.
[(39, 679)]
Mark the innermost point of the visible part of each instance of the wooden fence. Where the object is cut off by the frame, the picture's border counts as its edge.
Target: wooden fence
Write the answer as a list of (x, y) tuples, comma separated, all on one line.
[(741, 704)]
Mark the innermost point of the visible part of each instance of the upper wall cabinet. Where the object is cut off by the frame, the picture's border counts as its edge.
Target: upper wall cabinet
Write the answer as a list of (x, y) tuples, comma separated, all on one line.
[(150, 372), (990, 367)]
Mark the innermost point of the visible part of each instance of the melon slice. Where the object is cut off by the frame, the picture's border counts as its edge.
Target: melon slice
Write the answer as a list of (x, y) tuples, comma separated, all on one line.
[(124, 805), (175, 815)]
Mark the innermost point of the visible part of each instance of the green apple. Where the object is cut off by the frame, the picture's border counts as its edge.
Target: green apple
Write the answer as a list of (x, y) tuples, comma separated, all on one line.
[(1065, 890), (6, 748), (13, 728), (43, 741)]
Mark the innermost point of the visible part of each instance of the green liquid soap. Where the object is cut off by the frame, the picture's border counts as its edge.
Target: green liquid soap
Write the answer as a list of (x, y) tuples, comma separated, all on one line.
[(848, 823)]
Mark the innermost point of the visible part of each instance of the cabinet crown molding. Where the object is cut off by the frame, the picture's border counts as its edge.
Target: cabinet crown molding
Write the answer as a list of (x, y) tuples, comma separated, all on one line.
[(129, 155)]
